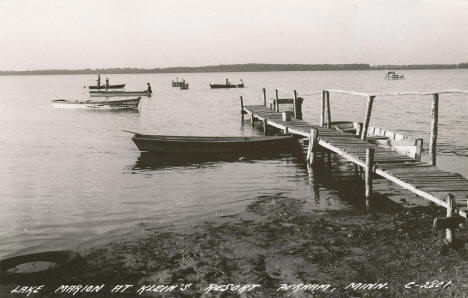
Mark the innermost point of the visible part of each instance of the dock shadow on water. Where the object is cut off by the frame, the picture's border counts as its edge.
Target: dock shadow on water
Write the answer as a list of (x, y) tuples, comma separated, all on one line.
[(332, 172)]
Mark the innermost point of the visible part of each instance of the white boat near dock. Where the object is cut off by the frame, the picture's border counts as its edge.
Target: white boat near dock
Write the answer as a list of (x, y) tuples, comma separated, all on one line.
[(131, 103)]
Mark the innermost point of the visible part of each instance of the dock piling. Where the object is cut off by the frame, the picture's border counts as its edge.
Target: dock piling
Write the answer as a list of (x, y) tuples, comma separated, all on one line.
[(322, 109), (449, 232), (359, 129), (327, 100), (298, 107), (434, 126), (265, 126), (252, 119), (295, 103), (276, 101), (264, 97), (419, 149), (370, 101), (242, 107), (450, 223), (368, 175), (313, 144)]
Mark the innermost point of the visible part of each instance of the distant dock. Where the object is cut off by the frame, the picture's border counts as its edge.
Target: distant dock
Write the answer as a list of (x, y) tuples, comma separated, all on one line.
[(423, 179)]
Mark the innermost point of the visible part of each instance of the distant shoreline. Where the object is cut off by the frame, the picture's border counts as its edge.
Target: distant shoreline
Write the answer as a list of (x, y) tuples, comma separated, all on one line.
[(251, 67)]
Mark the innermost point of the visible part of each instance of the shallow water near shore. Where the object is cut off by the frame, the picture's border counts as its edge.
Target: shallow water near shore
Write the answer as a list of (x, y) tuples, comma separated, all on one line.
[(72, 178)]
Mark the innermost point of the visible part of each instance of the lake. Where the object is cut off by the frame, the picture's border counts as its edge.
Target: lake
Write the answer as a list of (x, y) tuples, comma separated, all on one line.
[(72, 178)]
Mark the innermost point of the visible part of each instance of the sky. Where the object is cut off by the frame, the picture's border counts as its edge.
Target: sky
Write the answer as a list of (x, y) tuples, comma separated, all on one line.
[(77, 34)]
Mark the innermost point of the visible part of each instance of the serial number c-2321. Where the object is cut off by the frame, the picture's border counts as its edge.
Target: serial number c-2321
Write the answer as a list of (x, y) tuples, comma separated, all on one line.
[(429, 284)]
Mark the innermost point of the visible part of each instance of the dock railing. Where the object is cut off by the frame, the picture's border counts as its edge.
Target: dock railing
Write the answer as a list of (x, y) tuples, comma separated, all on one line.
[(275, 103), (325, 109)]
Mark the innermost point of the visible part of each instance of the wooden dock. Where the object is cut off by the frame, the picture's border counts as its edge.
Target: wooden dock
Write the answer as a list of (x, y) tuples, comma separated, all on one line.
[(446, 189)]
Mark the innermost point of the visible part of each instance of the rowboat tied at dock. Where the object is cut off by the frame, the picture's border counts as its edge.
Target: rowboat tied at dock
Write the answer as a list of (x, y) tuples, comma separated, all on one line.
[(202, 144)]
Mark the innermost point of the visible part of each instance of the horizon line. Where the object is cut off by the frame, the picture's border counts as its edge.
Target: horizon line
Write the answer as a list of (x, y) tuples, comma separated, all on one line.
[(250, 67)]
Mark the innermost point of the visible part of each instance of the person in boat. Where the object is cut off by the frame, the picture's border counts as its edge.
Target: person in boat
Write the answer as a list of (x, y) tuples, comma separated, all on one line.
[(148, 90), (242, 82), (227, 82), (107, 83), (98, 80)]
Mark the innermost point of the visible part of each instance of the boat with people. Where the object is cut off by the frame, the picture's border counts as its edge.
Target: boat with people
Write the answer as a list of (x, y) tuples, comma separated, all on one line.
[(206, 144), (177, 83), (227, 85), (120, 93), (130, 103), (107, 93), (391, 75), (184, 85), (118, 86), (107, 85)]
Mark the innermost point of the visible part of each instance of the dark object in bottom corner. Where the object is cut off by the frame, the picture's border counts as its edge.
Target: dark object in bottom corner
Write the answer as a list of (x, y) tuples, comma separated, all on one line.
[(62, 261)]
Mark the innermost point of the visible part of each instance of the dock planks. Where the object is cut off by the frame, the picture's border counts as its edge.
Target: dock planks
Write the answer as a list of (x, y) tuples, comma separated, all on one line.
[(420, 178)]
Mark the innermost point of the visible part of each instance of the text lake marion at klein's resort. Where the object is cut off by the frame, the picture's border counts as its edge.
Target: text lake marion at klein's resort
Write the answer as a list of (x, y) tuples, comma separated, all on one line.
[(311, 174)]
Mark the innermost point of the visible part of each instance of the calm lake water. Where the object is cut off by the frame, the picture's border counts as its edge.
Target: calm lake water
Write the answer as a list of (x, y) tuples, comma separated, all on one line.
[(70, 178)]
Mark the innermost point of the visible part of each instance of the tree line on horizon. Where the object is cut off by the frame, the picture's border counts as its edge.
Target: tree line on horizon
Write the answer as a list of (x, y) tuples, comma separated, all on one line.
[(251, 67)]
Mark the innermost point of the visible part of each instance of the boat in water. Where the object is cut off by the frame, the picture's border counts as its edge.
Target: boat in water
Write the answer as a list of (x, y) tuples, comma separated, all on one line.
[(184, 85), (120, 93), (403, 144), (202, 144), (118, 86), (131, 103), (228, 85), (216, 86), (391, 75), (177, 83)]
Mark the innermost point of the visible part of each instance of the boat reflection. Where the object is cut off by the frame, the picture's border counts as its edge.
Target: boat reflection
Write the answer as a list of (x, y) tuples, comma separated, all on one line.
[(154, 161)]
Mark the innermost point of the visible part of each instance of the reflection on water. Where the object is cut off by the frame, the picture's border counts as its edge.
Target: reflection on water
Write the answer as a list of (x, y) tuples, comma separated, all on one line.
[(334, 172), (115, 111), (154, 161)]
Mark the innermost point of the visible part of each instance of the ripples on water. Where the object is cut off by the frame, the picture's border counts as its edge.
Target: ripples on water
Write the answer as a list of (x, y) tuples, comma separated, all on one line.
[(71, 177)]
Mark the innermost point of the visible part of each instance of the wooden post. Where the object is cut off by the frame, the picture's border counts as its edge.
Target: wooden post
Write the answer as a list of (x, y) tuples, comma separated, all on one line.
[(368, 175), (295, 104), (327, 99), (419, 148), (298, 107), (242, 107), (449, 232), (434, 128), (313, 144), (252, 119), (370, 101), (359, 129), (276, 96), (450, 223), (265, 126), (286, 130), (264, 97), (322, 109)]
